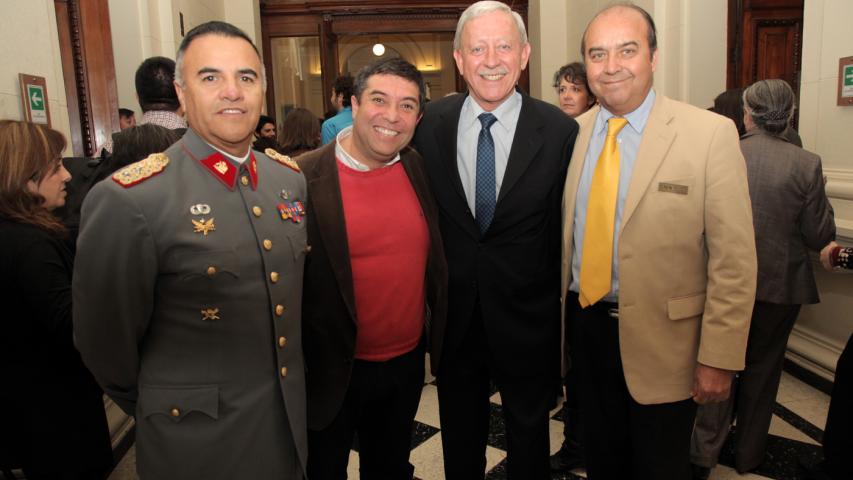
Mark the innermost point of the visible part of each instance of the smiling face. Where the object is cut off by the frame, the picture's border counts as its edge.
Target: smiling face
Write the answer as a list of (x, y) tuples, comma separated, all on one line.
[(619, 64), (383, 119), (223, 91), (574, 98), (52, 186), (491, 58)]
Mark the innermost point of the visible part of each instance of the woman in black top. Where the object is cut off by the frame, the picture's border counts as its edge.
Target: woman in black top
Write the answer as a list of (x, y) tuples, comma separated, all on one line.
[(52, 419)]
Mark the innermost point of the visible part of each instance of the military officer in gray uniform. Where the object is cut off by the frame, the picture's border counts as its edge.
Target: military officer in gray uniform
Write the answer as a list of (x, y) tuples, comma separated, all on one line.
[(188, 282)]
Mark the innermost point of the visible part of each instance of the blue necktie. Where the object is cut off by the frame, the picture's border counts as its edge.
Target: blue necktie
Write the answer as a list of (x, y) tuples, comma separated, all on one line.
[(484, 197)]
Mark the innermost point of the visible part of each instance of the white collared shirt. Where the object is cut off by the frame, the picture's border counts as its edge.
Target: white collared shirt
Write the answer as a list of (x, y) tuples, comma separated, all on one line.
[(344, 157)]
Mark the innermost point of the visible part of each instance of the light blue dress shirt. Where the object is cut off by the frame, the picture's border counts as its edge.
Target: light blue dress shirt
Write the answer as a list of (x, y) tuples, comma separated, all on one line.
[(628, 141), (467, 134)]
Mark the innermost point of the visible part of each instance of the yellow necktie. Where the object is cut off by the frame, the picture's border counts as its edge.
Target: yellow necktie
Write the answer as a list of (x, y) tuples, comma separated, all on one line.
[(600, 218)]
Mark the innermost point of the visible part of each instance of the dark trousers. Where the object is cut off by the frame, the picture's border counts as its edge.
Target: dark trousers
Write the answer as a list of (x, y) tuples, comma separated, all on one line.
[(623, 439), (838, 434), (572, 418), (753, 393), (380, 407), (463, 402)]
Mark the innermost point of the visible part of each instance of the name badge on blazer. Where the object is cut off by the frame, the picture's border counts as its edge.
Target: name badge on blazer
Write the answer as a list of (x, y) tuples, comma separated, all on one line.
[(672, 188)]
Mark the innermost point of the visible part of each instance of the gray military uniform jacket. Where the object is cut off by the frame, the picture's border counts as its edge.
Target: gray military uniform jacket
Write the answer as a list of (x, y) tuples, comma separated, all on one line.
[(187, 290)]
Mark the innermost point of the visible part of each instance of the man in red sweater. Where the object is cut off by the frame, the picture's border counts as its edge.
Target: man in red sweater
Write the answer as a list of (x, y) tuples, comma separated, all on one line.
[(375, 295)]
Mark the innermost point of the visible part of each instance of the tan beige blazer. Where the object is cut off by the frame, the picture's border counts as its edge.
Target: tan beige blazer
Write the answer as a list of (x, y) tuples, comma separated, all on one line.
[(686, 249)]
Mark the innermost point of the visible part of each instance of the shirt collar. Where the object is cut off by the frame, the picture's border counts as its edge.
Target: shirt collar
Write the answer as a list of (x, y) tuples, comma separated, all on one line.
[(226, 169), (636, 119), (471, 110), (348, 160)]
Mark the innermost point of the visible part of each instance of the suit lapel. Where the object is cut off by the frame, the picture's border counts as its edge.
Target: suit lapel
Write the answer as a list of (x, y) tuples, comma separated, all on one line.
[(657, 139), (445, 136), (325, 192), (525, 146)]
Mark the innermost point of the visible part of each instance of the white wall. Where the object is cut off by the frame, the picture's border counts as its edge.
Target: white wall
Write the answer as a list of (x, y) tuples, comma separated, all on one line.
[(825, 128), (691, 43), (29, 43), (147, 28)]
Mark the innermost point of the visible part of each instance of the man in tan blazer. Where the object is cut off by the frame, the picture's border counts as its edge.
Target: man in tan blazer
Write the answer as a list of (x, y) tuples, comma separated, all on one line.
[(677, 261)]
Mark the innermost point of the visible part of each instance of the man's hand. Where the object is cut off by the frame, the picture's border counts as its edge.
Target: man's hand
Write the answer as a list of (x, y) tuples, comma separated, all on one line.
[(824, 255), (711, 384)]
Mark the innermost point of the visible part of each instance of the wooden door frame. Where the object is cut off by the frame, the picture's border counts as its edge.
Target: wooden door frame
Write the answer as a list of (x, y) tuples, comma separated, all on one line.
[(88, 70)]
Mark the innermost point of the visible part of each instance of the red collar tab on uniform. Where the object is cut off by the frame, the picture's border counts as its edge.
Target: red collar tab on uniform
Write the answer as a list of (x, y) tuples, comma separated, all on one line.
[(221, 168), (252, 167)]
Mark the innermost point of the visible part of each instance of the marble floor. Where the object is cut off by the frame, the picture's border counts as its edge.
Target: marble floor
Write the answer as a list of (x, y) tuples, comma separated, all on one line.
[(795, 432)]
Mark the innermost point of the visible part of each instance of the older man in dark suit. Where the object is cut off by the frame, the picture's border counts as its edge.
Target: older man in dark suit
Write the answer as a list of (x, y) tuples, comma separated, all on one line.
[(496, 159)]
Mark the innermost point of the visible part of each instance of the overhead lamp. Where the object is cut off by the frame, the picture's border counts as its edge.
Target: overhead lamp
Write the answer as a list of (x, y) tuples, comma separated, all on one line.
[(378, 49)]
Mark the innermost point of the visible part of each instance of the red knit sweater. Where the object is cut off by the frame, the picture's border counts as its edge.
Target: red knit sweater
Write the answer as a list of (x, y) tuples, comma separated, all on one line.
[(388, 244)]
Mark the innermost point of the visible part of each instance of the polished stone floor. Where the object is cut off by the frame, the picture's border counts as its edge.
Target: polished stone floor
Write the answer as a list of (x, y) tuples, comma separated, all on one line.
[(795, 432)]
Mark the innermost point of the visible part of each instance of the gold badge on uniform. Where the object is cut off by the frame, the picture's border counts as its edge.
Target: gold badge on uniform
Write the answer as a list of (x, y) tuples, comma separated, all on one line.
[(203, 226), (210, 314), (221, 167)]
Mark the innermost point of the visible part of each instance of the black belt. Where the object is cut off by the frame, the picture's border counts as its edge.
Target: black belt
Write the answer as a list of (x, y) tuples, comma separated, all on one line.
[(611, 309)]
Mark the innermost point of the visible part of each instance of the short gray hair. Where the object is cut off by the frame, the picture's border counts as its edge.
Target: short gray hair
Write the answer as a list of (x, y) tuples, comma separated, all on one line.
[(770, 104), (482, 8)]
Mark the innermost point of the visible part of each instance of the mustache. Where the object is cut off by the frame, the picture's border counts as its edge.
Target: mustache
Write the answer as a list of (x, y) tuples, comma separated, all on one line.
[(493, 71)]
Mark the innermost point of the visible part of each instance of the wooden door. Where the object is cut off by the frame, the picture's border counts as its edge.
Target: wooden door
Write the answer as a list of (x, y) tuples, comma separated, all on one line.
[(765, 41)]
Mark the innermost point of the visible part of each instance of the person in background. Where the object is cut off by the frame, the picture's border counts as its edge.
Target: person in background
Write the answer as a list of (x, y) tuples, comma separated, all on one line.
[(575, 99), (126, 118), (265, 135), (300, 132), (130, 145), (791, 215), (51, 409), (837, 442), (155, 90), (730, 104), (341, 101), (573, 89)]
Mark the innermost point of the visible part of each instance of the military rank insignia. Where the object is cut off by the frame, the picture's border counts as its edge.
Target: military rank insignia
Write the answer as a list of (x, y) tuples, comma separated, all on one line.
[(203, 226), (142, 170), (282, 159), (293, 211)]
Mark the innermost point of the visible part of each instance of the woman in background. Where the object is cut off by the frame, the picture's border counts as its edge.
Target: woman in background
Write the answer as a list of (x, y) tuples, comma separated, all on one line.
[(573, 89), (791, 215), (51, 410), (300, 132)]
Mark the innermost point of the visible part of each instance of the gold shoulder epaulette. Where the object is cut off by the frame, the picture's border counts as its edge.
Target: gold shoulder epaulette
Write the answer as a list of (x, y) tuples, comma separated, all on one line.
[(282, 159), (142, 170)]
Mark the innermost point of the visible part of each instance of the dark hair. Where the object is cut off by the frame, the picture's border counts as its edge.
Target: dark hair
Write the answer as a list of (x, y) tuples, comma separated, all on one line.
[(651, 33), (263, 120), (300, 132), (135, 143), (730, 104), (344, 86), (125, 112), (215, 27), (574, 72), (391, 66), (154, 85), (28, 151)]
